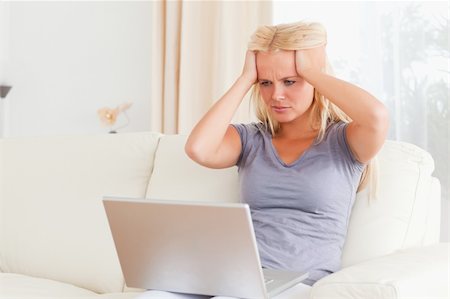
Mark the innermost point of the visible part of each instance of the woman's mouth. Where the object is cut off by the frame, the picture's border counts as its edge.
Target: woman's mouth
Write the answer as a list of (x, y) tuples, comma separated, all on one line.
[(279, 109)]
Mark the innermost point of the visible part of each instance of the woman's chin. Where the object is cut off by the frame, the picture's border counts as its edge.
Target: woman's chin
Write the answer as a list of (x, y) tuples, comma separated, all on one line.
[(283, 119)]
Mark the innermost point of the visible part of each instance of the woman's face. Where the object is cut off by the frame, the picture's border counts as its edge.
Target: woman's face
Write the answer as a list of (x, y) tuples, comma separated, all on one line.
[(287, 96)]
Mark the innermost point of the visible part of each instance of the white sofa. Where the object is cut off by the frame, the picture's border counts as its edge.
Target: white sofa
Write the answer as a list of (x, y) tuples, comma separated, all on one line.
[(55, 241)]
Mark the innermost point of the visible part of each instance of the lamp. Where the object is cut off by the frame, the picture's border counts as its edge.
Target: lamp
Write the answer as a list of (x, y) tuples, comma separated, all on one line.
[(4, 90)]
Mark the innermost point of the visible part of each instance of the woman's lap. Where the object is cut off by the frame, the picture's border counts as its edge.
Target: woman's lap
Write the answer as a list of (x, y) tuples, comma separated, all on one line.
[(161, 294), (153, 294), (298, 291)]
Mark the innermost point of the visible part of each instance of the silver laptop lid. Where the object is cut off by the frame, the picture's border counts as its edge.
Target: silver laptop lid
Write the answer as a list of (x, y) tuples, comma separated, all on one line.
[(196, 248)]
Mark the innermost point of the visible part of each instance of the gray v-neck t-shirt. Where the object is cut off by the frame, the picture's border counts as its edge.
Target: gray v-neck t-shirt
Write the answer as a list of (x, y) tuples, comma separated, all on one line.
[(300, 210)]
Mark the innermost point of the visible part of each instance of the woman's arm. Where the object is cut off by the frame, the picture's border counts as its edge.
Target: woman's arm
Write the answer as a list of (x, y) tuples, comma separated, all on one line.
[(214, 142), (370, 121)]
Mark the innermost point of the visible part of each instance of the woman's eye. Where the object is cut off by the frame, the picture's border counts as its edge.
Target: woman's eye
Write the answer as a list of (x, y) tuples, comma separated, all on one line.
[(265, 83), (288, 82)]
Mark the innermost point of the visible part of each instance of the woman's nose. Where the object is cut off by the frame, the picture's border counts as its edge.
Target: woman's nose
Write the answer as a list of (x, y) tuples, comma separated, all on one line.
[(277, 97), (278, 94)]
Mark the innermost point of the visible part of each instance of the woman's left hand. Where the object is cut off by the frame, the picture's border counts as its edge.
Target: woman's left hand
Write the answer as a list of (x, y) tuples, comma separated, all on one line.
[(310, 60)]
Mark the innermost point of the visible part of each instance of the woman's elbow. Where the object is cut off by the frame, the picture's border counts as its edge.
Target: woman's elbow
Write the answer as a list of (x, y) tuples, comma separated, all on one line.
[(381, 118), (190, 148), (196, 152)]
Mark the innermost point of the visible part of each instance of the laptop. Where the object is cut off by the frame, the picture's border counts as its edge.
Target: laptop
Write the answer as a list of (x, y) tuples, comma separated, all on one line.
[(193, 248)]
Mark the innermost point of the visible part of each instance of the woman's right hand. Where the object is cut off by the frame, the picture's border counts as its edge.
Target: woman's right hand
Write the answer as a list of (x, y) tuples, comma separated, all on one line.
[(249, 72)]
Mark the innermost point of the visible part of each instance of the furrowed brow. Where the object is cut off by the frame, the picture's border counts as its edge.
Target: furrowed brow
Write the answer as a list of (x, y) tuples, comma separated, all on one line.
[(289, 77)]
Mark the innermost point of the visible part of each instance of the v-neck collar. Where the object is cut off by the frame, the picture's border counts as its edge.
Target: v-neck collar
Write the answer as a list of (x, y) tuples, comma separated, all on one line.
[(297, 160)]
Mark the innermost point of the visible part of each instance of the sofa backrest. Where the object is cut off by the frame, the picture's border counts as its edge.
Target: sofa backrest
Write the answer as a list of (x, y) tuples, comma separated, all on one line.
[(53, 224), (176, 177), (405, 214)]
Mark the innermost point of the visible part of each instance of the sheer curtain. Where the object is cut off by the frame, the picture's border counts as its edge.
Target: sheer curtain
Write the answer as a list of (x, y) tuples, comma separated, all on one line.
[(398, 51)]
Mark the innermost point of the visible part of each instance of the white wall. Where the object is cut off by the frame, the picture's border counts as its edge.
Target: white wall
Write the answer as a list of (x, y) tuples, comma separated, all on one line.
[(67, 59), (4, 55), (4, 37)]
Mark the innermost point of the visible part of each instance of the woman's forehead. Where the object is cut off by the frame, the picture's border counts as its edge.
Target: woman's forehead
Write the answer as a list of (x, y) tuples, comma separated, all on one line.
[(275, 54), (279, 63)]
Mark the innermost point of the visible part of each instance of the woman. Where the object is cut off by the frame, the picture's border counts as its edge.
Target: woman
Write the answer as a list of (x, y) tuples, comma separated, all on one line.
[(301, 165)]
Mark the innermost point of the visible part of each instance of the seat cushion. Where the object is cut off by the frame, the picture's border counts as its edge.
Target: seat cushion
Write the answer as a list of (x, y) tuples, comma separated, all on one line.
[(17, 286), (414, 273), (22, 286)]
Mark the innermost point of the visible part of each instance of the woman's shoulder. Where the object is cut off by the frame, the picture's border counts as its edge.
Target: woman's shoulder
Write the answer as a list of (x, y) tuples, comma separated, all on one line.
[(251, 129), (251, 126), (335, 128), (336, 137), (336, 124)]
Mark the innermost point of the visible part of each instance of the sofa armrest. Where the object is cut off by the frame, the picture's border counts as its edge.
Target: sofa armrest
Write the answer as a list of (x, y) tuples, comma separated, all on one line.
[(421, 272)]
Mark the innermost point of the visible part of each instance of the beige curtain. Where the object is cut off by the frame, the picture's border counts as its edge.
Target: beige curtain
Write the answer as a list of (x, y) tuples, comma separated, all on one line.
[(199, 50)]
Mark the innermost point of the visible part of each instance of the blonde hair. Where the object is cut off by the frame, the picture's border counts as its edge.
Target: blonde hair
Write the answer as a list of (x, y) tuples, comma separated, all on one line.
[(301, 36)]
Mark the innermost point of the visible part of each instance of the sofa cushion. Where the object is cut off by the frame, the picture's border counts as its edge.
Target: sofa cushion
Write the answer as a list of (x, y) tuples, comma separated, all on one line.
[(407, 274), (177, 177), (17, 286), (405, 210), (22, 286), (52, 221)]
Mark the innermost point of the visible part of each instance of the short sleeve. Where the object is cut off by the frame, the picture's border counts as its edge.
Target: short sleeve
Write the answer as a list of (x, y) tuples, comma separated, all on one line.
[(247, 132), (340, 132)]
